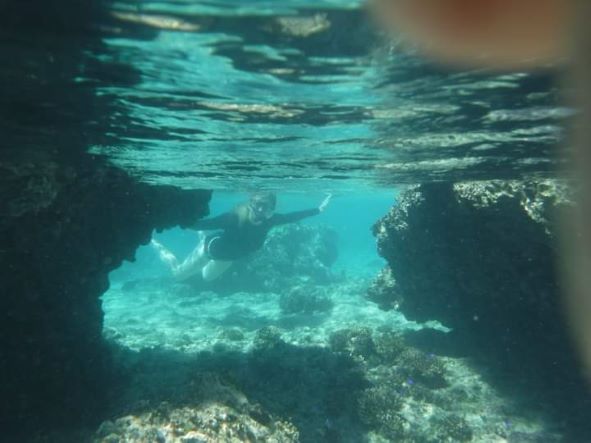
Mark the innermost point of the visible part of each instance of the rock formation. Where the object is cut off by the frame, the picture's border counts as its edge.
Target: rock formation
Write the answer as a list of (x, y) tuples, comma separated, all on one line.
[(57, 251), (481, 258), (67, 218)]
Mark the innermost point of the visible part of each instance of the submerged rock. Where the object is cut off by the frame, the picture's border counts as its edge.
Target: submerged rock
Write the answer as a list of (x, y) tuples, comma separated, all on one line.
[(471, 250), (379, 408), (170, 401), (481, 258), (60, 239), (476, 256), (383, 290), (369, 385), (414, 397), (427, 369), (210, 423), (305, 299), (267, 338), (356, 342), (452, 428)]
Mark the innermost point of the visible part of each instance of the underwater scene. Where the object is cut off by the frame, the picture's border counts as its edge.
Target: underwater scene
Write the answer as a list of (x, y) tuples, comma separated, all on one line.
[(278, 221)]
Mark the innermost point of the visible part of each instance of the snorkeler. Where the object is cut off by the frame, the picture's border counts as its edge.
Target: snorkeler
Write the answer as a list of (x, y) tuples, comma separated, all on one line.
[(237, 233)]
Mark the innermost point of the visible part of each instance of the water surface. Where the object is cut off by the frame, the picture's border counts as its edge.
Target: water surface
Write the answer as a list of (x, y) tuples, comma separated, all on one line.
[(232, 95)]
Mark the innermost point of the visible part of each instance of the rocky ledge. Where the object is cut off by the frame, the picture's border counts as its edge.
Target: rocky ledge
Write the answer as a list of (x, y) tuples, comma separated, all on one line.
[(481, 258), (63, 229)]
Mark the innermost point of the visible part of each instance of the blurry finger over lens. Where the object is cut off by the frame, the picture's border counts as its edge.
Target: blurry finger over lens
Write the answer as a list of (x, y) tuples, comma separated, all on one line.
[(493, 33)]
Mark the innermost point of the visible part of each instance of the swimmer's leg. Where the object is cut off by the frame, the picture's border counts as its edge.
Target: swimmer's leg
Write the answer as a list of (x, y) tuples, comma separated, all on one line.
[(214, 268), (190, 266), (167, 257), (194, 263)]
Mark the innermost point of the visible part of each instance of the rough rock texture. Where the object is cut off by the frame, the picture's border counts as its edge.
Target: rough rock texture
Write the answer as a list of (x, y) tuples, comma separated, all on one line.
[(66, 218), (169, 397), (481, 257), (60, 238), (356, 383), (211, 423), (472, 250), (306, 299), (216, 413), (286, 389), (413, 396)]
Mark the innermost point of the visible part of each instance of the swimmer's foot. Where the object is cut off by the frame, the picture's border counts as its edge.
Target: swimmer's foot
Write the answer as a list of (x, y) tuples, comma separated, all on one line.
[(156, 244), (165, 255), (201, 242)]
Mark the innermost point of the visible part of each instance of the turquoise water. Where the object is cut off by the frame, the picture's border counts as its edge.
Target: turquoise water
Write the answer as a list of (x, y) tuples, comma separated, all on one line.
[(304, 98), (176, 337), (304, 94), (351, 217), (113, 110), (161, 310)]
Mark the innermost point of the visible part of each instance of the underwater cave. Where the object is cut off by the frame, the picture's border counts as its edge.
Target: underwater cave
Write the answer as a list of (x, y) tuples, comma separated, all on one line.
[(422, 303)]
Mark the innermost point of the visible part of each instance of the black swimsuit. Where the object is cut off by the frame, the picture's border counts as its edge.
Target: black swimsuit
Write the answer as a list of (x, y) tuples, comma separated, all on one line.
[(239, 239)]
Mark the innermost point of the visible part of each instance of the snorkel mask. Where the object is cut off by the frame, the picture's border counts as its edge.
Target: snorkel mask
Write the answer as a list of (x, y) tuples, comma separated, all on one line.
[(262, 206)]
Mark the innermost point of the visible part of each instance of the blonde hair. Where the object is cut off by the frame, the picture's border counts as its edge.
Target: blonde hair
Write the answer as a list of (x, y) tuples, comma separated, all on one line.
[(266, 197), (243, 209)]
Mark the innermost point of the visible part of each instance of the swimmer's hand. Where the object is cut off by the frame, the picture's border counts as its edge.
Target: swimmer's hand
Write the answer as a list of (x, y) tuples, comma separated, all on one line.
[(324, 203)]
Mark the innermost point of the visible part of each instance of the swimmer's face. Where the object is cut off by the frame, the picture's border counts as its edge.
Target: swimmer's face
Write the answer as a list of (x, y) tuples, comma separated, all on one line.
[(260, 210), (494, 33)]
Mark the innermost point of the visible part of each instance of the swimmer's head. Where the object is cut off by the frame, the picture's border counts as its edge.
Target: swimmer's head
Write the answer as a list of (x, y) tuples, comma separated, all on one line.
[(262, 206)]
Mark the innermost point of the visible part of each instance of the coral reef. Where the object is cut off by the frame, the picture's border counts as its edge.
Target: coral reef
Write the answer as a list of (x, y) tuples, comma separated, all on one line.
[(379, 408), (341, 380), (201, 406), (452, 428), (389, 345), (383, 290), (481, 258), (68, 218), (423, 368), (306, 299), (208, 423), (356, 343), (479, 242), (268, 338)]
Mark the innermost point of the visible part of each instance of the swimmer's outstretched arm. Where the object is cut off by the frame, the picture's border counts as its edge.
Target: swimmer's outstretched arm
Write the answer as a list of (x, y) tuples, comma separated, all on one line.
[(292, 217), (324, 203)]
